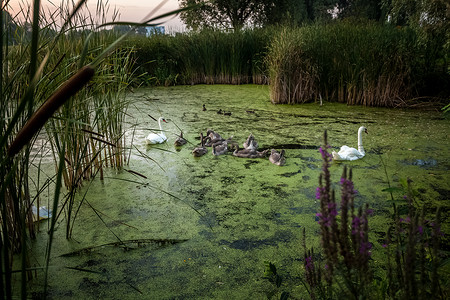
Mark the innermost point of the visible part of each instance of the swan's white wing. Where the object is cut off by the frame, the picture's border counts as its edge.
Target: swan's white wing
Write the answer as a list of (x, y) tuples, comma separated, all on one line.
[(347, 153), (345, 149), (154, 138)]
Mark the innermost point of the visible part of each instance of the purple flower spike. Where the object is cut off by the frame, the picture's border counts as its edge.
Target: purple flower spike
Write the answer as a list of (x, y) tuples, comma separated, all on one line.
[(318, 192), (420, 229), (356, 222), (325, 155), (322, 152), (364, 249), (309, 263)]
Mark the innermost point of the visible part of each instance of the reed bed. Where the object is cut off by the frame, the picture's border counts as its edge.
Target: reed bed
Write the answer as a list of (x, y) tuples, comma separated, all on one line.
[(293, 75), (365, 64), (40, 71), (206, 57), (352, 62)]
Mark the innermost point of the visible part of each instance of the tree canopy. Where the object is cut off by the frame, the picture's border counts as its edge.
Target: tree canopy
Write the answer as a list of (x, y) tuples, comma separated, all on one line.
[(236, 14)]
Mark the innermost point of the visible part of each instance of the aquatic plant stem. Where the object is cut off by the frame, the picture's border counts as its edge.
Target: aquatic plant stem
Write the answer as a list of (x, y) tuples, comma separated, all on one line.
[(35, 123), (55, 208)]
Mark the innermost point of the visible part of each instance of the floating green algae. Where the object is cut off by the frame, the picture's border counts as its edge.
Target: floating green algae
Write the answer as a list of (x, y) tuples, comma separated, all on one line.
[(203, 227)]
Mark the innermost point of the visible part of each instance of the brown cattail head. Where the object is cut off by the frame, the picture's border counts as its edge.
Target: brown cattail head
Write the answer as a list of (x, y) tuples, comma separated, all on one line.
[(38, 119)]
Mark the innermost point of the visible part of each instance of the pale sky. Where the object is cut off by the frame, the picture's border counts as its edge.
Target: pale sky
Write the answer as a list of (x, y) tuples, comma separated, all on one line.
[(130, 10)]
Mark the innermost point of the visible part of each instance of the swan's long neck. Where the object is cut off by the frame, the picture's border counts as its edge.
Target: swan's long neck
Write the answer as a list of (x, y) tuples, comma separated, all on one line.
[(159, 123), (360, 144)]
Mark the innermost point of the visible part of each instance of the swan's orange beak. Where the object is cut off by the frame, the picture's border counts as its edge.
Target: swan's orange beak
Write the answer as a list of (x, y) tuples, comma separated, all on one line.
[(164, 120)]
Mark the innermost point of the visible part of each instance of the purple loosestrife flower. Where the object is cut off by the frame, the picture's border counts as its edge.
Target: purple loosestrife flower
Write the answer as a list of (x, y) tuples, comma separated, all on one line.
[(346, 202), (319, 192), (309, 263), (420, 229), (356, 222), (312, 278), (364, 249), (436, 229), (365, 245), (347, 186), (325, 155), (328, 212), (332, 209)]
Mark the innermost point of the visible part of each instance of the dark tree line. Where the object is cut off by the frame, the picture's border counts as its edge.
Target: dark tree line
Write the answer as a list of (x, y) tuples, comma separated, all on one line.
[(236, 14)]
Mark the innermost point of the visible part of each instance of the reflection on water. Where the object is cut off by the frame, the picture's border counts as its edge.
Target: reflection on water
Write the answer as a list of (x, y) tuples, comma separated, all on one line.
[(234, 213)]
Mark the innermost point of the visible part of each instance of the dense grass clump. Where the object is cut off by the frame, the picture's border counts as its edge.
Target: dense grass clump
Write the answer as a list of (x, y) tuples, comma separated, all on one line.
[(368, 64), (206, 57)]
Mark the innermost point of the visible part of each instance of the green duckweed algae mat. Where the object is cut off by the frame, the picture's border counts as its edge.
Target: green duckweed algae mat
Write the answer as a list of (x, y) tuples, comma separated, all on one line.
[(180, 227)]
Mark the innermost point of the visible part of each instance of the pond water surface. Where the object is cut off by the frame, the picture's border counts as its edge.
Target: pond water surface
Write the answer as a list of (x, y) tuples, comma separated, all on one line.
[(201, 228)]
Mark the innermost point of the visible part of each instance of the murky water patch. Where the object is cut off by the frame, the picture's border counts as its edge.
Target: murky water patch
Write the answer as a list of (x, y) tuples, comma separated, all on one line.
[(236, 213), (249, 244), (423, 163)]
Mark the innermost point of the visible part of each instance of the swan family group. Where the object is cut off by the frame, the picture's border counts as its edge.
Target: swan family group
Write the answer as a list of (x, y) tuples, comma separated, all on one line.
[(222, 146)]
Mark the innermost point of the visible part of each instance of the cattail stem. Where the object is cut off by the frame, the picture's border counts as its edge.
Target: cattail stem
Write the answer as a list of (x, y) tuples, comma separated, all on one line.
[(38, 119)]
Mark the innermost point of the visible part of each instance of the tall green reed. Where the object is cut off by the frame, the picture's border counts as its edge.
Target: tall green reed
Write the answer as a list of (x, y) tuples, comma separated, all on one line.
[(363, 63), (293, 75), (23, 66), (208, 56)]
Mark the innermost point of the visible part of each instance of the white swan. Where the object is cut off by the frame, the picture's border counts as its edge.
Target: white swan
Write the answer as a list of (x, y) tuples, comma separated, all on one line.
[(347, 153), (157, 138)]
